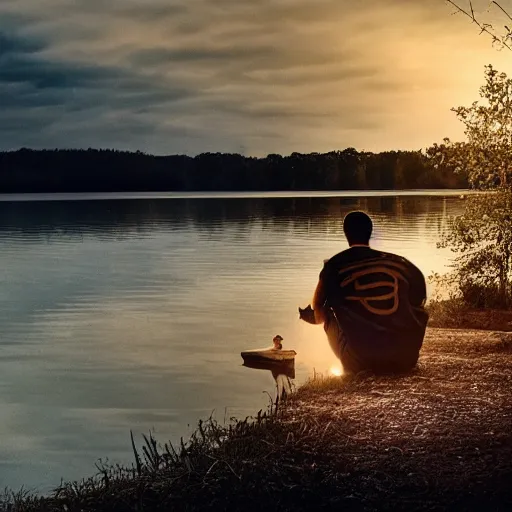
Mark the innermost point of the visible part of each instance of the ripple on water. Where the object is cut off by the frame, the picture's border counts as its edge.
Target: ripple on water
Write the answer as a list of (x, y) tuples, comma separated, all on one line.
[(132, 314)]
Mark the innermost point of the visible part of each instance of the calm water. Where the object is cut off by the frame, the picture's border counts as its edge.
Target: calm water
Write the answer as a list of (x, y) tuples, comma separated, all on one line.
[(131, 313)]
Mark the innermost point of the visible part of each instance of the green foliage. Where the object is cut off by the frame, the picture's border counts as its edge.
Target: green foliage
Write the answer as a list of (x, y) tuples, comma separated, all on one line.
[(447, 313), (482, 236), (486, 156)]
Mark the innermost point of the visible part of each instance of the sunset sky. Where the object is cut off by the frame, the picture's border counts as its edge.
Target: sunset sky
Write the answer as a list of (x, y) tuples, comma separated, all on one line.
[(247, 76)]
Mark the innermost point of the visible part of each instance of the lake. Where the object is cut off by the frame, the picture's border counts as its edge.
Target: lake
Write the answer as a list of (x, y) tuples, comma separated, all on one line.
[(128, 312)]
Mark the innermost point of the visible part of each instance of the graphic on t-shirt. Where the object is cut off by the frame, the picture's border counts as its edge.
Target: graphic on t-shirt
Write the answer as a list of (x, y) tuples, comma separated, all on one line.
[(370, 300)]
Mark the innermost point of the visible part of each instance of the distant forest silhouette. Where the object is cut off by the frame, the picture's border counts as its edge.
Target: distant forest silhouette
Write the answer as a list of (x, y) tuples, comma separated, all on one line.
[(94, 170)]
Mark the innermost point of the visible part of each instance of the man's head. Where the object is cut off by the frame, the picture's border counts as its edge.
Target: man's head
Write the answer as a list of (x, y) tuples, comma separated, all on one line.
[(358, 228)]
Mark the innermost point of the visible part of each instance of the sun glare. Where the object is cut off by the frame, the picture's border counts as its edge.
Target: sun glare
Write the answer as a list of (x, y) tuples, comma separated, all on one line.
[(336, 371)]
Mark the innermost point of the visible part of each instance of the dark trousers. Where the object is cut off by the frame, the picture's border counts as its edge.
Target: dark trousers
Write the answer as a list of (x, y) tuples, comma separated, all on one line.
[(355, 359)]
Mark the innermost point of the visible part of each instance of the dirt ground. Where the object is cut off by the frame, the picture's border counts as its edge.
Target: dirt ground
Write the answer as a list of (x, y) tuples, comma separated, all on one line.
[(436, 439)]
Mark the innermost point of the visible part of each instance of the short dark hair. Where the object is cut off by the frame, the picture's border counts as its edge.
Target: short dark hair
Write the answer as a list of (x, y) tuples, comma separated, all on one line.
[(357, 227)]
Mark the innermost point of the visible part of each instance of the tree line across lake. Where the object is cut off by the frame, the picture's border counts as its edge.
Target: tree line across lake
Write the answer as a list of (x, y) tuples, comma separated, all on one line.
[(91, 170)]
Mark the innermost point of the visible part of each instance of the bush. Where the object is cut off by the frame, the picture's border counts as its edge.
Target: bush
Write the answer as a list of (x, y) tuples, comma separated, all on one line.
[(480, 296), (482, 236)]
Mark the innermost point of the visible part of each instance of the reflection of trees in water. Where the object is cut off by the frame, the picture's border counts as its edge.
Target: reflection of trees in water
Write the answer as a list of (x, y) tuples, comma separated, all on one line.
[(420, 214), (234, 217)]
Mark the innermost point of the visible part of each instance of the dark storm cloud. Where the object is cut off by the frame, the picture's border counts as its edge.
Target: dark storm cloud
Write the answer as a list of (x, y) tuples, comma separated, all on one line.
[(12, 45), (164, 56), (39, 93), (22, 63)]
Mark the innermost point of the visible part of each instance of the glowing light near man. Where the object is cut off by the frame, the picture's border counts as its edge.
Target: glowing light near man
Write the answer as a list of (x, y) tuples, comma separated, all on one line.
[(336, 371)]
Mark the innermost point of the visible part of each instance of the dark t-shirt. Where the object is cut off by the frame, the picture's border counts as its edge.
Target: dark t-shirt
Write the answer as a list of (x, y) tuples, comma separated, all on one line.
[(378, 300)]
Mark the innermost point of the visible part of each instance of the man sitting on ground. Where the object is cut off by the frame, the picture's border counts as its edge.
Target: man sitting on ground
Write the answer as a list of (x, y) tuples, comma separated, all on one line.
[(371, 304)]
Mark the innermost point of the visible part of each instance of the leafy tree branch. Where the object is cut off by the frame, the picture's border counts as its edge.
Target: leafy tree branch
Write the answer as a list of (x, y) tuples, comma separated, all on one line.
[(482, 236)]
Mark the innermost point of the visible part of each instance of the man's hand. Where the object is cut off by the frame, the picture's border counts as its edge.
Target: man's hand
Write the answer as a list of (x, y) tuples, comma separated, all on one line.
[(307, 314)]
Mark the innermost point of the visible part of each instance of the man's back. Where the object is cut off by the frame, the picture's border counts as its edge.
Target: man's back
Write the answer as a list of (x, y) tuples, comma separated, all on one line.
[(377, 299)]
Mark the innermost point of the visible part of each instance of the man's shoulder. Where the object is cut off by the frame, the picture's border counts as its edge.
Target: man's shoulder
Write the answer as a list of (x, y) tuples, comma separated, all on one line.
[(412, 269), (338, 258), (347, 258), (362, 254), (352, 254)]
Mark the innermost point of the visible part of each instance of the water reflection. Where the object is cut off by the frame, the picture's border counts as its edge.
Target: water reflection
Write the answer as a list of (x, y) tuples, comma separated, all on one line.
[(69, 220), (282, 372)]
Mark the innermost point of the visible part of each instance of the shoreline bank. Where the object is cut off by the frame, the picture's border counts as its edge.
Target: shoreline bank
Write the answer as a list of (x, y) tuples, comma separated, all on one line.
[(453, 314), (435, 439)]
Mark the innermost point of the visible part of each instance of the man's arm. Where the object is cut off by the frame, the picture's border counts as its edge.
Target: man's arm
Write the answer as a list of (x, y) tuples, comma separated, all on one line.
[(319, 302), (315, 315)]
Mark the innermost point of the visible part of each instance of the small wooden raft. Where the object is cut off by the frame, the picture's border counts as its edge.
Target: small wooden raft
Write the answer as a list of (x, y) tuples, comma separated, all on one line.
[(274, 353), (269, 354)]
